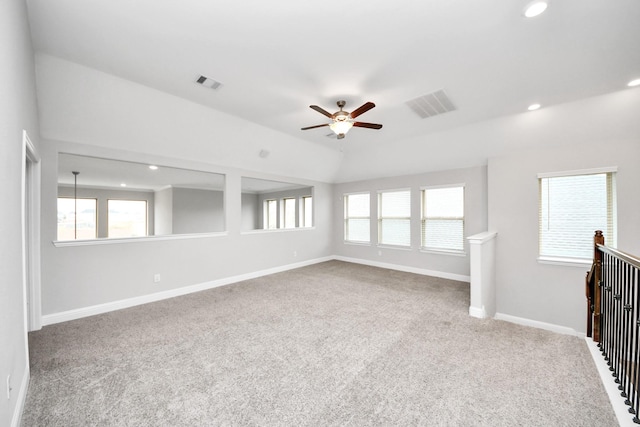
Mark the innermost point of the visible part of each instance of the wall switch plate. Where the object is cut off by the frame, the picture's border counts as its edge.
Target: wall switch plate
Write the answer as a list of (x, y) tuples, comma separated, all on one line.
[(156, 278)]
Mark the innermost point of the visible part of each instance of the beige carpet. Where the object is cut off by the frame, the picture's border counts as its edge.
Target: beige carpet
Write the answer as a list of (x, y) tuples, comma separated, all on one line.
[(331, 344)]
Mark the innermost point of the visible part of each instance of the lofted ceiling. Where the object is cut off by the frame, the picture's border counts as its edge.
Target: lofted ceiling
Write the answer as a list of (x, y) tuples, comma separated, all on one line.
[(276, 58)]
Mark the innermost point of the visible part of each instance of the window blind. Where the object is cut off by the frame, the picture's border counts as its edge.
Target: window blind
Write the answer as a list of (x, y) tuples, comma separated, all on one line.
[(394, 220), (571, 208), (357, 212), (443, 218)]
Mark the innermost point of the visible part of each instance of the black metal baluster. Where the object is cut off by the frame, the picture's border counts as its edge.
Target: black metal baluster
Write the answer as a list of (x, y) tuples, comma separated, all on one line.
[(634, 408), (626, 309)]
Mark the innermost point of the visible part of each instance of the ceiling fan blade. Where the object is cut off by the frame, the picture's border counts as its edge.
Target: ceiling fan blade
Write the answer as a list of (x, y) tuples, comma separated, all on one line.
[(316, 126), (367, 125), (362, 109), (321, 111)]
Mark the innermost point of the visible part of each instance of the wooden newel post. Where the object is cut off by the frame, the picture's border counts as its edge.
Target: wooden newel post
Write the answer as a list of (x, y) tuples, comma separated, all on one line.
[(598, 239)]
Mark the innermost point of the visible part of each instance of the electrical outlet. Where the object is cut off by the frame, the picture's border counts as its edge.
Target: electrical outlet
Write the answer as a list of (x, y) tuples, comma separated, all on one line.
[(8, 386), (156, 278)]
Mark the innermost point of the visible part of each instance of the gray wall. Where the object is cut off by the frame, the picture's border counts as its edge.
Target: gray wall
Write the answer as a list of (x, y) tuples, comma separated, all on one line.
[(163, 212), (197, 211), (250, 211), (18, 112), (103, 196), (475, 206), (552, 293)]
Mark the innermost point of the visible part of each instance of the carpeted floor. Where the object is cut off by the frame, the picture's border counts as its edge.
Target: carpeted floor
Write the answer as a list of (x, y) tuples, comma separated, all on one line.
[(330, 344)]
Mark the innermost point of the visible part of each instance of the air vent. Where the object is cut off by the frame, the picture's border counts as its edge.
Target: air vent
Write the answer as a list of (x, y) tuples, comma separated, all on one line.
[(431, 104), (210, 83)]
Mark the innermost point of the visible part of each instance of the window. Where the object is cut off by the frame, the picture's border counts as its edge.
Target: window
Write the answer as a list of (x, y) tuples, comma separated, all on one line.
[(306, 216), (443, 218), (72, 226), (572, 206), (270, 214), (288, 213), (356, 218), (394, 218), (127, 218)]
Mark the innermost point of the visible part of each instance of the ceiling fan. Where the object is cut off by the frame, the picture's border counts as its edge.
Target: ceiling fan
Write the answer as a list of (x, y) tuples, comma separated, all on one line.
[(342, 120)]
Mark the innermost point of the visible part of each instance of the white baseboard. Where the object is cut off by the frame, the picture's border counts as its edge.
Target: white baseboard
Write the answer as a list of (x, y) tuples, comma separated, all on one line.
[(625, 419), (79, 313), (477, 312), (406, 269), (537, 324), (21, 400)]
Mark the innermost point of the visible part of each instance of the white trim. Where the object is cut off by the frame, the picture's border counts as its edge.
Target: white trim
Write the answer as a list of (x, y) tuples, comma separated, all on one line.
[(275, 230), (452, 252), (480, 238), (610, 169), (625, 419), (31, 233), (112, 241), (406, 269), (21, 399), (435, 187), (566, 262), (537, 324), (394, 247), (480, 313), (65, 316)]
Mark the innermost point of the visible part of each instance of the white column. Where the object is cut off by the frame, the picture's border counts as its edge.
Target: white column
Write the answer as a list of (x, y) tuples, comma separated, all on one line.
[(482, 249)]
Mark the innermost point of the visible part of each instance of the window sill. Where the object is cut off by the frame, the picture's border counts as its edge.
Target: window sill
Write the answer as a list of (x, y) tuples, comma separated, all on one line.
[(443, 252), (275, 230), (354, 243), (402, 248), (568, 262), (118, 240)]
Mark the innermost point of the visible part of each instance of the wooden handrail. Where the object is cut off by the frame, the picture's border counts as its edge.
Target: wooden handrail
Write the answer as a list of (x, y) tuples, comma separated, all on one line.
[(629, 259)]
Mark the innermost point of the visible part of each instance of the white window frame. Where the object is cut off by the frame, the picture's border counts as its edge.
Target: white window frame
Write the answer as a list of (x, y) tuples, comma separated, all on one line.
[(424, 219), (306, 212), (285, 219), (611, 235), (381, 219), (267, 216), (347, 217)]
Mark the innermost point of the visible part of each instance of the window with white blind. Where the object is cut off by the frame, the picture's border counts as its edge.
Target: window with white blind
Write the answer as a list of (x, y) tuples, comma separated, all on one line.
[(443, 218), (356, 218), (394, 218), (270, 214), (126, 218), (288, 213), (572, 206), (306, 214)]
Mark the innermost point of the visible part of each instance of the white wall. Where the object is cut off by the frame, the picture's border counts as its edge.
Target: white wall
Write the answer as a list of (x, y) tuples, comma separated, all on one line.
[(551, 293), (17, 112), (455, 266), (163, 212)]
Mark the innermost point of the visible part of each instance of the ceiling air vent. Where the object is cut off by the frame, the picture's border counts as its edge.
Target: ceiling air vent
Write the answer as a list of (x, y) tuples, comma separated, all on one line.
[(431, 104), (210, 83)]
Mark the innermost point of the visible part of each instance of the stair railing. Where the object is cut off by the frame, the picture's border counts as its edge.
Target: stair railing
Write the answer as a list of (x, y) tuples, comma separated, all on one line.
[(613, 301)]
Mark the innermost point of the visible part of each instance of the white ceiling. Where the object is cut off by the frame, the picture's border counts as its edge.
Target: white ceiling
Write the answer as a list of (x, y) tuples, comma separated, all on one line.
[(276, 58)]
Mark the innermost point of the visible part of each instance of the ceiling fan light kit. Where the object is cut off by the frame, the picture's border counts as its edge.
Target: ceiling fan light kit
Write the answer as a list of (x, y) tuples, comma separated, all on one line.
[(342, 121)]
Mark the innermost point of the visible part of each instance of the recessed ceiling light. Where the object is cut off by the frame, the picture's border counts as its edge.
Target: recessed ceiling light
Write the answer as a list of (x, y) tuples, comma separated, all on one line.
[(535, 8), (634, 83), (533, 107), (153, 167), (123, 185)]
